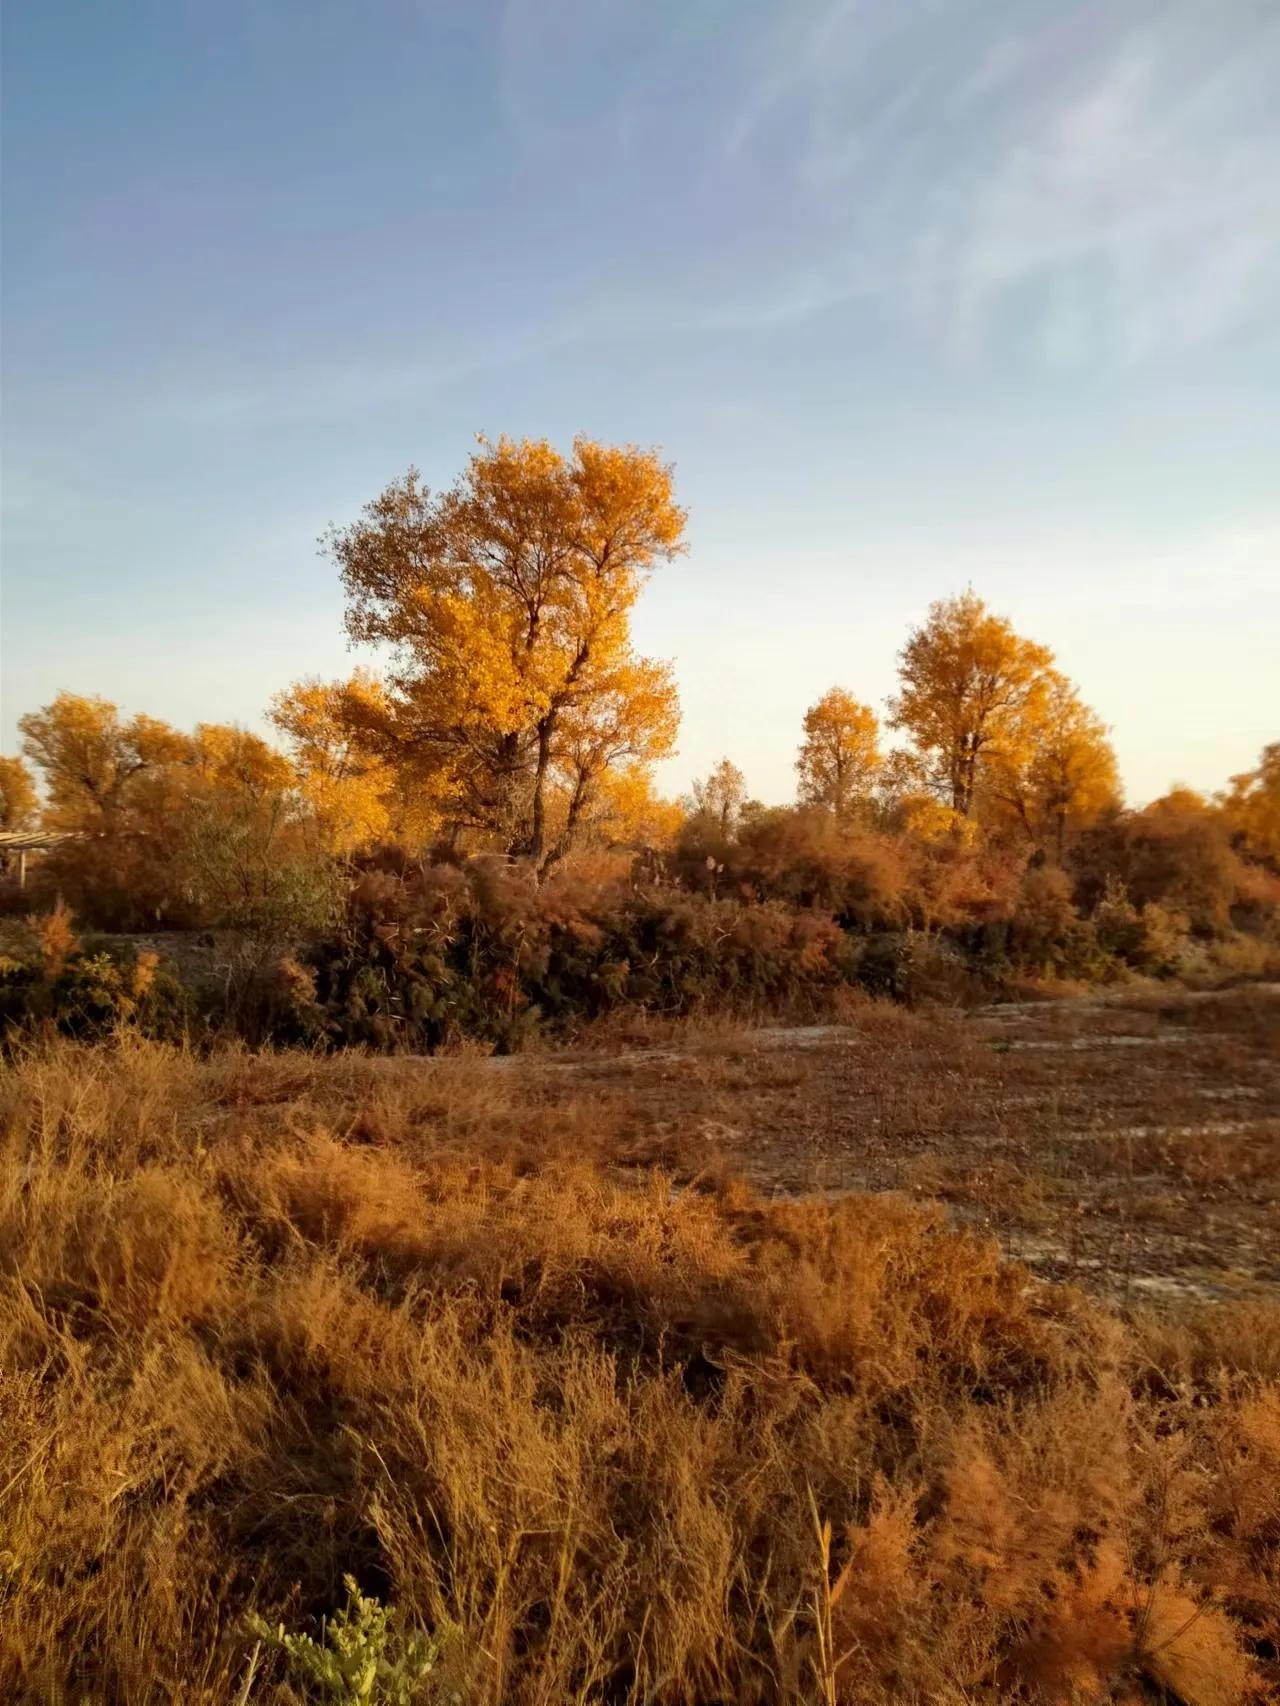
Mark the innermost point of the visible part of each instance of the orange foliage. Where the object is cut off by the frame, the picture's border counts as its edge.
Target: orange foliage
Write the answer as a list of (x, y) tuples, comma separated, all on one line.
[(508, 601), (1252, 809), (972, 693), (17, 794), (840, 757), (1063, 778), (88, 757), (349, 789)]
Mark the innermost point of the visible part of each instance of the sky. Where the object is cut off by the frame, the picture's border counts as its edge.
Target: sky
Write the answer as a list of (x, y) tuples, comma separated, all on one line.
[(915, 294)]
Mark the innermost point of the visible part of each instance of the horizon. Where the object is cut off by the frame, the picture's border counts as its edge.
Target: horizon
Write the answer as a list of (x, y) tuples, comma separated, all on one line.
[(911, 301)]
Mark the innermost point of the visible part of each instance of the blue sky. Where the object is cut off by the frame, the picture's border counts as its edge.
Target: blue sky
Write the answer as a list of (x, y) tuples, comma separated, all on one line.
[(914, 294)]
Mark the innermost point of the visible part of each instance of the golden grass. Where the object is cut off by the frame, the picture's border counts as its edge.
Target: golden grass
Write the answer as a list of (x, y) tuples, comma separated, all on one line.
[(268, 1321)]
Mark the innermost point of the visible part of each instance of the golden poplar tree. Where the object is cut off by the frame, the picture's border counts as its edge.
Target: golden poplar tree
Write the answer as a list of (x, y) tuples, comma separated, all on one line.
[(347, 786), (972, 693), (1072, 777), (628, 811), (839, 759), (89, 757), (719, 799), (1061, 777), (17, 794), (507, 602), (1252, 808)]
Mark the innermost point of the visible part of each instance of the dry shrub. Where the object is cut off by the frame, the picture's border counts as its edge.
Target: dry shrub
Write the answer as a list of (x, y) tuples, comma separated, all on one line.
[(1175, 855), (266, 1323), (812, 858), (148, 1248), (1190, 1349), (1238, 1160), (55, 932), (429, 956)]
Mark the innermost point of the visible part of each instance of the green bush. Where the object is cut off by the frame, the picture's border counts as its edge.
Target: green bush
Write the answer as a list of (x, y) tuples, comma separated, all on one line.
[(364, 1658), (49, 981), (1151, 938)]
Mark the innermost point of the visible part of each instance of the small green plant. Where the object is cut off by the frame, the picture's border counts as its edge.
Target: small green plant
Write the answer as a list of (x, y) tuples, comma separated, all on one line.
[(364, 1656), (53, 982)]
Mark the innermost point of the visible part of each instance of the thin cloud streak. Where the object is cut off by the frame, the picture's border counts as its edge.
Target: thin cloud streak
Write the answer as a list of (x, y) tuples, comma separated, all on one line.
[(1133, 169), (1088, 192)]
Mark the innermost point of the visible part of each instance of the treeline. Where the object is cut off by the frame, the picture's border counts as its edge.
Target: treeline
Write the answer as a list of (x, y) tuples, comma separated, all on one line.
[(516, 723)]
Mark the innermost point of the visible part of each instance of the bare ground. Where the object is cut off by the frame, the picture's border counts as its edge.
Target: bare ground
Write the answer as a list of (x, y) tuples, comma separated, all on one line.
[(1130, 1144)]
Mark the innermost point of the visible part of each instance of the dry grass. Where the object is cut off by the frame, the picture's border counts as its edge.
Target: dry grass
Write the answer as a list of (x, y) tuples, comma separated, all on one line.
[(640, 1435), (1130, 1145)]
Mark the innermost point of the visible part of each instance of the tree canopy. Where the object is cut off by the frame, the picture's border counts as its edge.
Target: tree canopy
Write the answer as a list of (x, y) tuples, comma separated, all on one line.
[(719, 798), (88, 756), (839, 759), (512, 714), (972, 693), (17, 794), (348, 787), (1252, 807), (1062, 774), (506, 601)]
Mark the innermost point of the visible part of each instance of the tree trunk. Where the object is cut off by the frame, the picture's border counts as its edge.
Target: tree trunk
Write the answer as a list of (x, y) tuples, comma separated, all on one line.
[(538, 826), (581, 789)]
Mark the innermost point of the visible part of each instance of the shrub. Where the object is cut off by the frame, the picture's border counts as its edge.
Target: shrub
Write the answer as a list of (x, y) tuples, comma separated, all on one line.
[(810, 858), (51, 981), (182, 858), (1043, 937), (1176, 853), (433, 954), (1150, 938), (364, 1658)]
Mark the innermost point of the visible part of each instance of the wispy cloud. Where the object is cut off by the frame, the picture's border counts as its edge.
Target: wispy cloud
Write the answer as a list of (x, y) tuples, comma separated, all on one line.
[(1121, 179), (1075, 187), (1105, 179)]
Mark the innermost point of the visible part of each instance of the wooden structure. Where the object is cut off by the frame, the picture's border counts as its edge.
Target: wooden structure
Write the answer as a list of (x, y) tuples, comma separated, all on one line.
[(17, 844)]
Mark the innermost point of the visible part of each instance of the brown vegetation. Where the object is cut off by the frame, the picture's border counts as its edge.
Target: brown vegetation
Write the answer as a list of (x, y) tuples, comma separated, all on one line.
[(516, 723), (629, 1434), (1127, 1143), (610, 1377)]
